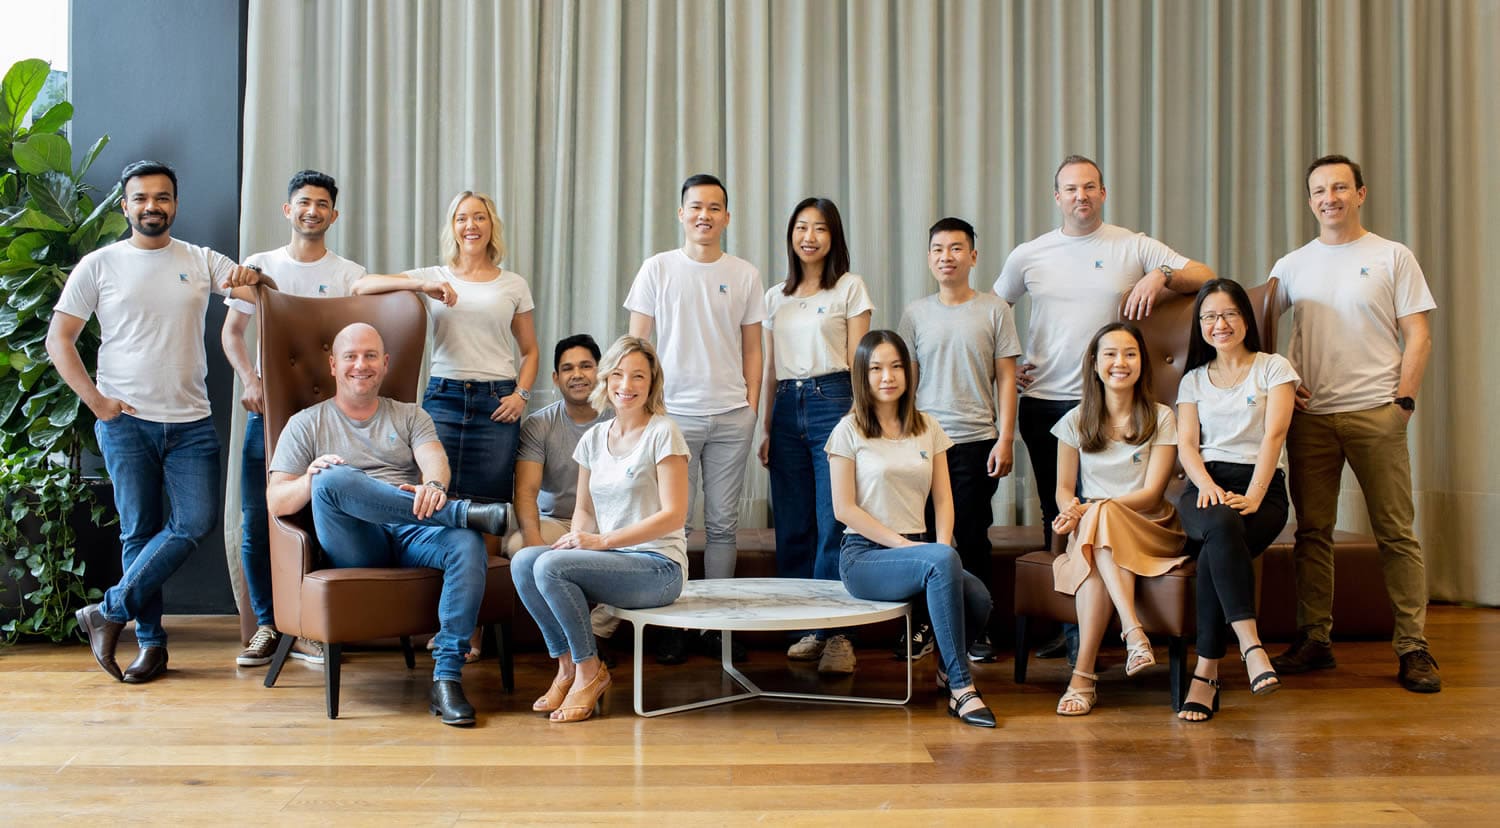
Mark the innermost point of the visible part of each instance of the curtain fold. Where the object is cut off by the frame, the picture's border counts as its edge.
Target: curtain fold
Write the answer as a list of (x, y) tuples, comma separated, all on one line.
[(582, 118)]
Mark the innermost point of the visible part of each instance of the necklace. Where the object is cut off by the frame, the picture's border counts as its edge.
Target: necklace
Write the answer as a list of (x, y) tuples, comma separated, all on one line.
[(1236, 379)]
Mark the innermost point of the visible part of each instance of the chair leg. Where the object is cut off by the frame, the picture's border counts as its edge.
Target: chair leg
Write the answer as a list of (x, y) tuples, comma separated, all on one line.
[(1022, 652), (333, 654), (1177, 648), (283, 650), (408, 652), (501, 632)]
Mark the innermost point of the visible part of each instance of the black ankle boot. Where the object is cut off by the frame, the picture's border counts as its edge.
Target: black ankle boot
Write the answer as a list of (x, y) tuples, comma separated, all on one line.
[(489, 518), (447, 700)]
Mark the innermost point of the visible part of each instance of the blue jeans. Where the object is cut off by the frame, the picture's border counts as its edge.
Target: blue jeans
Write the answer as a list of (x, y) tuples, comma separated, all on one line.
[(255, 552), (557, 585), (142, 458), (481, 452), (808, 536), (361, 521), (958, 602)]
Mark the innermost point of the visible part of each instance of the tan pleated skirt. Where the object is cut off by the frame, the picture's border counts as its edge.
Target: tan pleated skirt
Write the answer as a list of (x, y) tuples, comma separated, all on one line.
[(1146, 544)]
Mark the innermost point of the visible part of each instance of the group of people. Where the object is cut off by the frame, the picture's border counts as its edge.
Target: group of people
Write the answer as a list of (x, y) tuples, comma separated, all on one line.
[(903, 435)]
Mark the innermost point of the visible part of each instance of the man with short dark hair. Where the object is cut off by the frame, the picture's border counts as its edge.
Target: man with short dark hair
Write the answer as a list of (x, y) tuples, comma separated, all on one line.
[(1077, 277), (965, 346), (1360, 341), (150, 293), (304, 267), (377, 478)]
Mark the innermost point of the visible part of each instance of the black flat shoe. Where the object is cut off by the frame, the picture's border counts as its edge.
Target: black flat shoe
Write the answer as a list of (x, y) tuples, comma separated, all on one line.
[(981, 717), (1196, 707), (152, 662), (104, 636), (447, 700), (1265, 683)]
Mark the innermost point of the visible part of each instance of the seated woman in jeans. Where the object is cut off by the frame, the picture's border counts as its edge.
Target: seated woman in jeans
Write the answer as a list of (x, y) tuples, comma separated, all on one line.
[(627, 546), (1233, 410), (884, 459)]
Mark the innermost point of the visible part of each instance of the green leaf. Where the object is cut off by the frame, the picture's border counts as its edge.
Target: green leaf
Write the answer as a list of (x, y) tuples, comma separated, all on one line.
[(8, 187), (52, 195), (40, 153), (64, 411), (43, 434), (19, 89), (88, 161), (53, 119), (113, 227), (23, 247)]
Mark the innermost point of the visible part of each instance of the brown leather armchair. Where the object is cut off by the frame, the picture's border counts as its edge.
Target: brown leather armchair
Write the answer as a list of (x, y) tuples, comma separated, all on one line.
[(340, 606), (1165, 603)]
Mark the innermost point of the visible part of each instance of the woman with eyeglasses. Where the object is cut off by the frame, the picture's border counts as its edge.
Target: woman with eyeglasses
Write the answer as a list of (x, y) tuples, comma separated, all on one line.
[(1233, 410)]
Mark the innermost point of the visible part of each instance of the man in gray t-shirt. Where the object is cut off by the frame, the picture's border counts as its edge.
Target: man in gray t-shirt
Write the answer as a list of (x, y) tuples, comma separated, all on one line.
[(377, 479), (546, 473)]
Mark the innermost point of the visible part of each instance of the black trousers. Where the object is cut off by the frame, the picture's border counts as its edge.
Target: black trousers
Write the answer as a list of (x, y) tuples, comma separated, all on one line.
[(1227, 543), (1035, 419)]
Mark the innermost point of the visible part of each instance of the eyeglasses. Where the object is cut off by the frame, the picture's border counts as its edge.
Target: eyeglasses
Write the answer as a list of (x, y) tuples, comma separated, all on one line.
[(1212, 318)]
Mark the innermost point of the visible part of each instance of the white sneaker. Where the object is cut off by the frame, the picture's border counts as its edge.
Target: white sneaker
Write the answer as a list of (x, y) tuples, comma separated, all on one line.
[(809, 648), (838, 656)]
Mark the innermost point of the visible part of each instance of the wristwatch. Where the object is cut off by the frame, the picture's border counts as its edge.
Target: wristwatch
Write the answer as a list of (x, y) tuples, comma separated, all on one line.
[(1406, 403), (525, 395), (1167, 271), (436, 485)]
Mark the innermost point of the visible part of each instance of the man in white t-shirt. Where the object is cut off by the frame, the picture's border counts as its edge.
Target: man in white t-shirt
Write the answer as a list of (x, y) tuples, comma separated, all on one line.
[(706, 308), (1360, 340), (150, 294), (304, 267), (1078, 276)]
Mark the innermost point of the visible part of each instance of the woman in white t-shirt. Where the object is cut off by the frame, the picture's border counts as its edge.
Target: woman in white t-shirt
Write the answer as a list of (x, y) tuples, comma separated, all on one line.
[(1233, 409), (1117, 448), (885, 457), (814, 320), (626, 546)]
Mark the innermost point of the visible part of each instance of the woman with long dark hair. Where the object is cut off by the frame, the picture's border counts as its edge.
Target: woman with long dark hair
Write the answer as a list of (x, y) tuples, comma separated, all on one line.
[(885, 458), (1117, 448), (1233, 410), (815, 320)]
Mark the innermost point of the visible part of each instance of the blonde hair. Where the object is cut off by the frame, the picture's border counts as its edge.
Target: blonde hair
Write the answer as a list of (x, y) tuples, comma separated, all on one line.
[(656, 399), (496, 247)]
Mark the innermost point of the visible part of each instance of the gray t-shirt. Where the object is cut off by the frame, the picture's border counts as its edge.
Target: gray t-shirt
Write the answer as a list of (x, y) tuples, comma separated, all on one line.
[(955, 348), (625, 489), (381, 446), (549, 437)]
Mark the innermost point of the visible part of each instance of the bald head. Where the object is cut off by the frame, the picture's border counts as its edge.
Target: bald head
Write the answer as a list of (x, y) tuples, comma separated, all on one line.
[(359, 363)]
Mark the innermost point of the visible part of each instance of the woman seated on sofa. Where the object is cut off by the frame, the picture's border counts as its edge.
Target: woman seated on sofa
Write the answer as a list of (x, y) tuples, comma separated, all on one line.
[(1233, 410), (885, 457), (627, 547), (1119, 444)]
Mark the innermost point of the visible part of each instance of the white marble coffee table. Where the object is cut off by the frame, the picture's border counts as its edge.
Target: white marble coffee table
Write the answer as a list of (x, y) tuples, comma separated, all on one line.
[(737, 604)]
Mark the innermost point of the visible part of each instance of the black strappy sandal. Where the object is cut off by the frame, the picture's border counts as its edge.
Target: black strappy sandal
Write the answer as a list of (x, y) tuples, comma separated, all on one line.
[(1196, 707), (1258, 684), (982, 717)]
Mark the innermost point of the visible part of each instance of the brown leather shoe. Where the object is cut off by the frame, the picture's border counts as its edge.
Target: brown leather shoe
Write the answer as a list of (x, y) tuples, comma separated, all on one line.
[(151, 663), (104, 635), (1304, 656), (1419, 672)]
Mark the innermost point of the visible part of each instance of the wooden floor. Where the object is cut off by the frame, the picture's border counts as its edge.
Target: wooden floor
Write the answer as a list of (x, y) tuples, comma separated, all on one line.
[(207, 743)]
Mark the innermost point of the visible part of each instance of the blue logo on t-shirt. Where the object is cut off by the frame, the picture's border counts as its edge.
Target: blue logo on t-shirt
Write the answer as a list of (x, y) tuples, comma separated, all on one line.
[(1364, 272), (630, 472), (822, 309), (923, 453), (322, 290), (1250, 400), (1098, 264), (724, 289), (1136, 458), (182, 277), (392, 438)]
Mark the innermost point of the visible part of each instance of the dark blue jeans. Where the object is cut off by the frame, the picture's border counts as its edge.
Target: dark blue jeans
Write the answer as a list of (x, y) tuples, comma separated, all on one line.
[(481, 452), (146, 459), (361, 521), (808, 536), (255, 553), (958, 602)]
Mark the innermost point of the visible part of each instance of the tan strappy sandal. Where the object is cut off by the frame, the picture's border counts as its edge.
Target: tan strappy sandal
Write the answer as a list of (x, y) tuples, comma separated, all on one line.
[(1138, 656), (1085, 698)]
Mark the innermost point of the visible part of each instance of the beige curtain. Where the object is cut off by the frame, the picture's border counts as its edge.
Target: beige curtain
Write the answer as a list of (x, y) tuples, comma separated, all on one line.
[(582, 117)]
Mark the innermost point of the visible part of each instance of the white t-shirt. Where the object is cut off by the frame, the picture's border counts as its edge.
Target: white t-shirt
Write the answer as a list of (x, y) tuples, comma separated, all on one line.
[(892, 478), (331, 276), (1076, 285), (472, 339), (150, 305), (698, 311), (1232, 421), (1120, 468), (625, 490), (1345, 301), (811, 333)]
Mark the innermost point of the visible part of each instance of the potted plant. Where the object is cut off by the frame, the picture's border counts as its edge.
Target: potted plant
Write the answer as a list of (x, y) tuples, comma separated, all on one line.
[(48, 221)]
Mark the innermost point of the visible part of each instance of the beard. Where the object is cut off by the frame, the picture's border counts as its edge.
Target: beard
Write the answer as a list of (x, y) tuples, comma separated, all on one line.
[(139, 226)]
